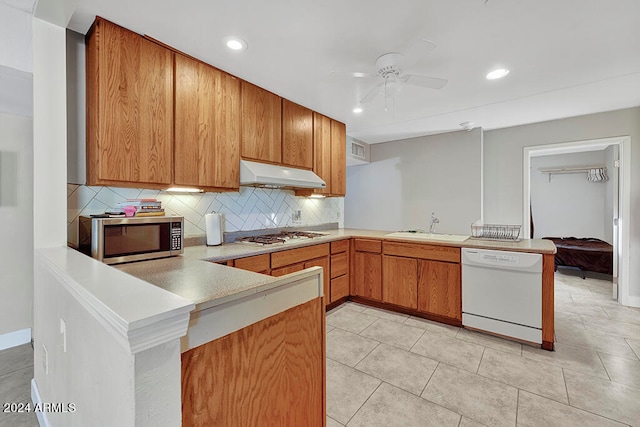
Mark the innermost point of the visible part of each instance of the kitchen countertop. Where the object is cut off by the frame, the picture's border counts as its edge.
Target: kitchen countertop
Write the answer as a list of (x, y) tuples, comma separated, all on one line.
[(196, 276)]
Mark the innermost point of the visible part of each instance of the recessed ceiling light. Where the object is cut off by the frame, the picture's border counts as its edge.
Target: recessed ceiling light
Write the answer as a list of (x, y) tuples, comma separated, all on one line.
[(357, 110), (235, 43), (497, 74)]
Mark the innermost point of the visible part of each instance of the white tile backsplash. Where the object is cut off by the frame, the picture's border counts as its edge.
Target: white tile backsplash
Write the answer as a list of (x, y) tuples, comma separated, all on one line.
[(249, 209)]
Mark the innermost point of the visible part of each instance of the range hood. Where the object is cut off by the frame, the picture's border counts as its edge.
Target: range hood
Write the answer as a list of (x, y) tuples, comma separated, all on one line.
[(266, 175)]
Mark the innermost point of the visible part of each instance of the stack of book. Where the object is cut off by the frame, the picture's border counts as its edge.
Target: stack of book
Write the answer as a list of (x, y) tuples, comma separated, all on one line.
[(144, 207)]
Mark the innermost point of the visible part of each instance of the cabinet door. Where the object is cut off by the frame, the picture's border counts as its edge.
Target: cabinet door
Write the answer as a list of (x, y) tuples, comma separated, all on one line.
[(439, 289), (324, 263), (400, 281), (338, 159), (207, 139), (297, 135), (261, 124), (367, 277), (322, 150), (129, 108)]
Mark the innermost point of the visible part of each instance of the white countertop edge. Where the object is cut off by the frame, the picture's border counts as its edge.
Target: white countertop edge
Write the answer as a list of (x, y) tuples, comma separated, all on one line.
[(114, 299), (277, 282)]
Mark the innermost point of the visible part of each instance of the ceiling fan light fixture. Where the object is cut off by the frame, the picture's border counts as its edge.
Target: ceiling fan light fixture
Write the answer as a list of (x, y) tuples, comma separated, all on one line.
[(497, 74), (235, 43)]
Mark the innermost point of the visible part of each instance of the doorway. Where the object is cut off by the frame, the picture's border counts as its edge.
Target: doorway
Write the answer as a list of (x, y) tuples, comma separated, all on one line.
[(621, 208)]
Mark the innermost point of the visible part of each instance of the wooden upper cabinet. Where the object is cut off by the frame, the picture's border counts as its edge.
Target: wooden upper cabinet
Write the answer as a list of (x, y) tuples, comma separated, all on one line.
[(261, 124), (322, 151), (207, 126), (338, 159), (129, 108), (297, 135)]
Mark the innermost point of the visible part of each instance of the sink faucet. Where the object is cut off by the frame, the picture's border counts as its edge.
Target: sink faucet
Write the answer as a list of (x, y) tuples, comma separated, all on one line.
[(434, 221)]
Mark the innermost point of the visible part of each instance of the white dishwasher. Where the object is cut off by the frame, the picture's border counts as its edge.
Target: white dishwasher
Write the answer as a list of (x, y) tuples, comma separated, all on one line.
[(502, 293)]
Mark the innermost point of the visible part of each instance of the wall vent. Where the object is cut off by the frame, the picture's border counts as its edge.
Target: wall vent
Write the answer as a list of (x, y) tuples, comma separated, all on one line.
[(357, 150)]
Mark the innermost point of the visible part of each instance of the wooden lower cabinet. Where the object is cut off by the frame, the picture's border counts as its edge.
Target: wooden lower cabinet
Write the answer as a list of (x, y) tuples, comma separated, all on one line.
[(324, 263), (271, 373), (287, 269), (439, 289), (400, 281), (339, 288), (367, 275), (257, 263)]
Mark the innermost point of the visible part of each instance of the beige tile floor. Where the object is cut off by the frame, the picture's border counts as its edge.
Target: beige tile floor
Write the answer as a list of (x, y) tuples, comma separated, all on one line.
[(388, 369)]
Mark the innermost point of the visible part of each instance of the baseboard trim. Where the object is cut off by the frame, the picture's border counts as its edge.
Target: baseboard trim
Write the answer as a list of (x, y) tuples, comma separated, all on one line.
[(633, 301), (43, 421), (14, 339)]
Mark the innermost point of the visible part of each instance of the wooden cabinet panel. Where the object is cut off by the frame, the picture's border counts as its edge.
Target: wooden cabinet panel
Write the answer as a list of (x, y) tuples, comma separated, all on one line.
[(400, 281), (322, 150), (367, 275), (271, 373), (339, 264), (440, 289), (257, 263), (324, 263), (207, 126), (338, 158), (297, 135), (339, 288), (339, 246), (129, 108), (421, 250), (292, 256), (287, 269), (261, 124), (366, 245)]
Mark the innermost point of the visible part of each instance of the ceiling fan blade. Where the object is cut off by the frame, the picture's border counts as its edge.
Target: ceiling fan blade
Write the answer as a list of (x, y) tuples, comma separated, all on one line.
[(372, 94), (424, 81), (416, 50)]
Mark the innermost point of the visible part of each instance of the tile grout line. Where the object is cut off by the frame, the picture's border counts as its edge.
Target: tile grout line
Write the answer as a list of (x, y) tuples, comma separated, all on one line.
[(365, 402)]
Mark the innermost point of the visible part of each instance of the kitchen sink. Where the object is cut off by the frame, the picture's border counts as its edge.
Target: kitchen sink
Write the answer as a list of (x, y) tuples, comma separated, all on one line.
[(428, 236)]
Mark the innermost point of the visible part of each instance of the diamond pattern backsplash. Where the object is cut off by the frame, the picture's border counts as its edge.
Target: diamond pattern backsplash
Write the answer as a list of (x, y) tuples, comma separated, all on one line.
[(249, 209)]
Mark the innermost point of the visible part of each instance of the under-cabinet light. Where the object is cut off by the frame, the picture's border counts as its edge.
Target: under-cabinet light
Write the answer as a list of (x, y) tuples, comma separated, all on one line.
[(184, 190), (317, 196)]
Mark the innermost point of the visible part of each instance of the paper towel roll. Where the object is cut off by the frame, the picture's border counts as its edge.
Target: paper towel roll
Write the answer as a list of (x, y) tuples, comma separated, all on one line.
[(213, 225)]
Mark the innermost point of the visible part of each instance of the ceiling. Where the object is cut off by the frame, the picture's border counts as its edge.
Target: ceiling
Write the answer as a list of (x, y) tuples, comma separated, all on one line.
[(566, 58)]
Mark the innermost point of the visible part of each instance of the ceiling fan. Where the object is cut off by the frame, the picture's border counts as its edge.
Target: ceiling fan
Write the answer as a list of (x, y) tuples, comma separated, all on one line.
[(390, 69)]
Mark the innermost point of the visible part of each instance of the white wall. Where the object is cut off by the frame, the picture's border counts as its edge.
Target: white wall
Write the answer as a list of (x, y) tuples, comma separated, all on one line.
[(16, 214), (503, 171), (16, 177), (567, 205), (407, 180)]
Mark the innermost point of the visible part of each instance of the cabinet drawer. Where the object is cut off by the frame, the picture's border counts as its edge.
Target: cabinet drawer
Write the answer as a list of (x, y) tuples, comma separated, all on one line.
[(365, 245), (276, 272), (339, 264), (339, 246), (292, 256), (258, 263), (339, 288), (423, 251)]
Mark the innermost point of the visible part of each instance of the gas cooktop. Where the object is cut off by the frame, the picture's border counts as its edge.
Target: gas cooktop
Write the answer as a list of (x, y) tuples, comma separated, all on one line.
[(281, 238)]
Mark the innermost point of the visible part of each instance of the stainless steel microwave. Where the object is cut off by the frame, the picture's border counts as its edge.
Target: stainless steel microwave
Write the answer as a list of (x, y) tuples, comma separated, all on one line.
[(118, 240)]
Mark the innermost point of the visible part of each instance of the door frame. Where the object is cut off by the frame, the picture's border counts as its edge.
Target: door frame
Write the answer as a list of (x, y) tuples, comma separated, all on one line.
[(622, 237)]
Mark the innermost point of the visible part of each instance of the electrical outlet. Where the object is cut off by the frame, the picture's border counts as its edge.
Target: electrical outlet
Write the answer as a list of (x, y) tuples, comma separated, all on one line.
[(296, 217), (45, 360), (63, 331), (338, 214)]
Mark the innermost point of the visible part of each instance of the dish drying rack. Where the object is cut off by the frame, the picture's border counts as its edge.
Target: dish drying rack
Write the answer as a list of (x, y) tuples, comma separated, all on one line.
[(496, 232)]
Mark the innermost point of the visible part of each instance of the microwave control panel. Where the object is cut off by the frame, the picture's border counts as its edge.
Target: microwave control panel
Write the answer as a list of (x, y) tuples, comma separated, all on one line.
[(176, 236)]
